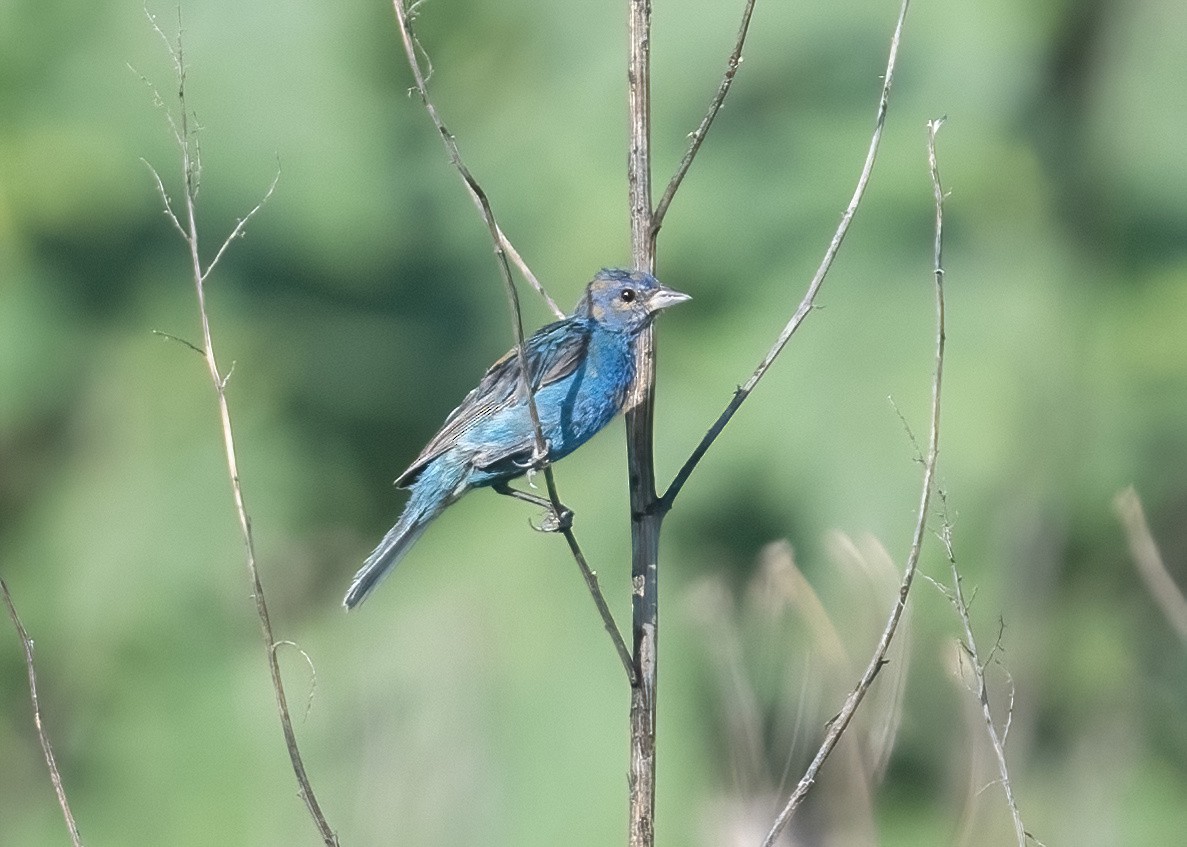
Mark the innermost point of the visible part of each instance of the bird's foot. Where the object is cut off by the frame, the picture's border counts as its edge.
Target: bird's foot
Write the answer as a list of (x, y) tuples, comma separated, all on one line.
[(554, 521)]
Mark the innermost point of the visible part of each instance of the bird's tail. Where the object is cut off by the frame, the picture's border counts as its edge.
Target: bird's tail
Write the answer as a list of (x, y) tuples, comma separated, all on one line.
[(384, 558)]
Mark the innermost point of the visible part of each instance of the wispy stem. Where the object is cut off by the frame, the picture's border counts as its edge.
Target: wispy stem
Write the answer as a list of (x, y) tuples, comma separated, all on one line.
[(50, 762), (191, 170), (809, 299), (841, 722), (697, 137)]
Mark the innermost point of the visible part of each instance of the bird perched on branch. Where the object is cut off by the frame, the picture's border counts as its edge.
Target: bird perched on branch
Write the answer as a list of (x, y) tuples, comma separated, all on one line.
[(580, 371)]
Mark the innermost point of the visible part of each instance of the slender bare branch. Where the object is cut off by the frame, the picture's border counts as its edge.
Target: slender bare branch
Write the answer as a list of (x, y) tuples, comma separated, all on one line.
[(404, 15), (561, 515), (237, 232), (841, 722), (997, 739), (1148, 561), (50, 762), (191, 170), (165, 201), (697, 137), (807, 303), (978, 665)]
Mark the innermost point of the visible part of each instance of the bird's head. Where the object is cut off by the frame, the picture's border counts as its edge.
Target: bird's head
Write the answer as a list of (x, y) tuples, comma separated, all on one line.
[(626, 300)]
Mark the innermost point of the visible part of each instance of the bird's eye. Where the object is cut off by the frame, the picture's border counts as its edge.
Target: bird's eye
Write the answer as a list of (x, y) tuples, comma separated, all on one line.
[(627, 295)]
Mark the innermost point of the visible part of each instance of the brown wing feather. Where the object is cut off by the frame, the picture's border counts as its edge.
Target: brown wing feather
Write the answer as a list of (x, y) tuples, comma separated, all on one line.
[(553, 353)]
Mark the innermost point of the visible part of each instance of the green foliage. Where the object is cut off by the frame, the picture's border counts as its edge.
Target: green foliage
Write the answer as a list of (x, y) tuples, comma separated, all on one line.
[(475, 699)]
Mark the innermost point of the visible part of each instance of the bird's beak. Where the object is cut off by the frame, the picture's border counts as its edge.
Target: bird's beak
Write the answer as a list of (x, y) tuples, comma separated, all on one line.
[(663, 297)]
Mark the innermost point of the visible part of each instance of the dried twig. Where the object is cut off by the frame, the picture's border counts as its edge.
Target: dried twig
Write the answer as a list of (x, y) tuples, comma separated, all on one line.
[(50, 762), (839, 724), (1148, 560), (806, 304), (697, 136), (191, 169), (996, 738), (561, 516), (405, 13), (978, 665)]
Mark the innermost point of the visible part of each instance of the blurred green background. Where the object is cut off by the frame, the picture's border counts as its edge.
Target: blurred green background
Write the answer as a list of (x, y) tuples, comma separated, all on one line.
[(475, 699)]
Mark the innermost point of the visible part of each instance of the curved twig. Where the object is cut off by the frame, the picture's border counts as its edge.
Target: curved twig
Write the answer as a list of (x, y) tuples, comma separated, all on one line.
[(840, 723), (806, 304), (50, 762), (188, 226), (697, 137), (504, 249), (503, 245)]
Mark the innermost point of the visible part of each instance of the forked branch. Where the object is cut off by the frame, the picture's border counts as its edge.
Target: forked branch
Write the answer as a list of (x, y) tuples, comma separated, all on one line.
[(187, 225), (809, 299), (841, 722), (977, 668)]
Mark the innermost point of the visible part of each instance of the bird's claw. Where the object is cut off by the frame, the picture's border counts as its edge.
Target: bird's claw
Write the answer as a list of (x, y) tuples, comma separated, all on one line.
[(555, 522), (535, 463)]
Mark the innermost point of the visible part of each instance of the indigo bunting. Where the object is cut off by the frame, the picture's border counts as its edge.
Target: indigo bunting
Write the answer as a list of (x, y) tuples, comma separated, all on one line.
[(580, 369)]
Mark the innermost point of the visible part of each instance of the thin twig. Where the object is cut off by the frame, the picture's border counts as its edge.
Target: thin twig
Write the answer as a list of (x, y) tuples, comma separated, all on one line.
[(807, 303), (237, 232), (184, 136), (503, 248), (50, 762), (1148, 561), (841, 722), (697, 137), (502, 244), (998, 740)]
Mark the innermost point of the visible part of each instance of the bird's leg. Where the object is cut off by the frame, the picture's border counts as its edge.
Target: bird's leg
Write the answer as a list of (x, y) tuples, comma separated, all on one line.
[(536, 463), (554, 521)]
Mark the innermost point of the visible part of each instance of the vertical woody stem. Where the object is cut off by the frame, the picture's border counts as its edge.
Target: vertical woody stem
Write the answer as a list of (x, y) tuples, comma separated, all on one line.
[(645, 518)]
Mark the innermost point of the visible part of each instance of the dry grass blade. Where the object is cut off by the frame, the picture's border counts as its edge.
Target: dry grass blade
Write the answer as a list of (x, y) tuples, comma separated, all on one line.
[(1148, 560)]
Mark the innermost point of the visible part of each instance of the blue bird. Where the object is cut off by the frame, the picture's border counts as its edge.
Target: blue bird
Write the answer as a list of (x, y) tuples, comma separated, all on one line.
[(580, 368)]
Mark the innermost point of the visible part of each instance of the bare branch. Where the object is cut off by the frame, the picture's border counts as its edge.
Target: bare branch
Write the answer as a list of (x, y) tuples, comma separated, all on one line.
[(50, 762), (806, 304), (1148, 561), (312, 672), (956, 593), (977, 665), (170, 337), (697, 137), (561, 515), (841, 722), (190, 175), (237, 232), (412, 47), (165, 201)]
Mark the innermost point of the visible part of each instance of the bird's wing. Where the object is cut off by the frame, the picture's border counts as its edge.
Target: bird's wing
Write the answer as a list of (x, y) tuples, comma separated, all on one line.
[(553, 352)]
